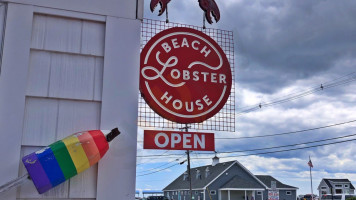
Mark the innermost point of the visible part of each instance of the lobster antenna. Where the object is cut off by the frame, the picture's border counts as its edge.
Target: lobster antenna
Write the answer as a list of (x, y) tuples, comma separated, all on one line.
[(204, 21), (167, 20)]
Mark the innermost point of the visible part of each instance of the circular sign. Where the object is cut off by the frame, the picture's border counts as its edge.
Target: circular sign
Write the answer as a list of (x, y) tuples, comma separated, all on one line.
[(185, 76)]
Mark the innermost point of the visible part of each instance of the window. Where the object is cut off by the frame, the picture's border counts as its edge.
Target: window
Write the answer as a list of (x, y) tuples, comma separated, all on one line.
[(338, 191), (323, 188), (198, 175), (185, 176), (196, 192), (323, 192), (338, 185), (259, 193), (213, 192), (346, 186), (288, 192)]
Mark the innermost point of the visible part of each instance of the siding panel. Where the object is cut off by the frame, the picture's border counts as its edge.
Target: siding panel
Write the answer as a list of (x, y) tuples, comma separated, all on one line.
[(93, 38), (84, 184), (40, 121), (75, 116), (98, 86), (63, 34), (72, 76), (38, 31), (38, 74)]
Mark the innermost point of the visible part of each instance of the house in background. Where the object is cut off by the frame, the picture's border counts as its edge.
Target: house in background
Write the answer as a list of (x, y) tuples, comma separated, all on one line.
[(335, 186), (227, 181)]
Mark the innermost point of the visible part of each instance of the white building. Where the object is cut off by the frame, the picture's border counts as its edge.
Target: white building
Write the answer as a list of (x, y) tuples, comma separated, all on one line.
[(68, 66), (335, 186)]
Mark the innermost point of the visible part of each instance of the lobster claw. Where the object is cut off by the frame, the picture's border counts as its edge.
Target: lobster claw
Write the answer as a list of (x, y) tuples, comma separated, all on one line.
[(210, 7), (163, 4)]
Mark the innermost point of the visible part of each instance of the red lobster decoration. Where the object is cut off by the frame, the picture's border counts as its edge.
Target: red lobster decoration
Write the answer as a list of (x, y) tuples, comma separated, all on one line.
[(208, 6), (163, 4)]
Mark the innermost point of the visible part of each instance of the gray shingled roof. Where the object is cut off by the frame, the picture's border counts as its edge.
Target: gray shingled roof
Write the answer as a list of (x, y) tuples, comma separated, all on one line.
[(266, 179), (345, 180), (239, 182), (179, 183)]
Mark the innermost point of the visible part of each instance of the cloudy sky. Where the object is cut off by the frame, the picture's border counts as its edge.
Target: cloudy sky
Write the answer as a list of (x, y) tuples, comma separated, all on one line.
[(283, 49)]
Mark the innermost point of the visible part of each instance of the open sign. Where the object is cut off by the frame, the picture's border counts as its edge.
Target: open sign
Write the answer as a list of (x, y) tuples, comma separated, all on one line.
[(171, 140)]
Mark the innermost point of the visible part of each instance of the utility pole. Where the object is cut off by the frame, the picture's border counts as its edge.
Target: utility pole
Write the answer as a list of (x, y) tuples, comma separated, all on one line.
[(190, 177), (188, 167)]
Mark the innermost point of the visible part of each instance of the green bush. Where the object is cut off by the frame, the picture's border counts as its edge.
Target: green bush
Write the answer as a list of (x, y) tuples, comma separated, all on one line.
[(351, 198)]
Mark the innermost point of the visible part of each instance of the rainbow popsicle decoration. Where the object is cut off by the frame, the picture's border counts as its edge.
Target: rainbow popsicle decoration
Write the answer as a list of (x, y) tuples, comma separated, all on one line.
[(66, 158)]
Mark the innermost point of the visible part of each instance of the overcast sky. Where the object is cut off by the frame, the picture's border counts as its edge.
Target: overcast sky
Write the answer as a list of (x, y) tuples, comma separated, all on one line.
[(282, 47)]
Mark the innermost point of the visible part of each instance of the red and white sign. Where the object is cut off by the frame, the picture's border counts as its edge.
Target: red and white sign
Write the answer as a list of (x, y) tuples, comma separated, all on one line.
[(171, 140), (184, 75)]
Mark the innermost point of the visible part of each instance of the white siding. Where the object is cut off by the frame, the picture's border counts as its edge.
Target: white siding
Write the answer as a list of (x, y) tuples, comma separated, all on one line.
[(40, 121), (63, 94), (38, 107), (74, 116), (2, 30), (72, 76), (68, 35), (38, 75)]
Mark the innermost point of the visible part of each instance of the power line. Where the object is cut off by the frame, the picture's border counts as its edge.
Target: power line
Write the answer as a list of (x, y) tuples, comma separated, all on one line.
[(294, 149), (286, 133), (262, 153), (271, 135), (158, 170), (151, 159), (177, 159), (275, 147), (290, 145), (299, 95)]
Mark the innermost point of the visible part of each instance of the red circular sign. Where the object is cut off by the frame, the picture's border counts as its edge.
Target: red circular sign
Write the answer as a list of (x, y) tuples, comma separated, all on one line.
[(185, 76)]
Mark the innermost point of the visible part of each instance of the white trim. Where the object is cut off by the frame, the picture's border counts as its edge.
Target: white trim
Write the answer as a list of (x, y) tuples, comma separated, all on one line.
[(183, 189), (284, 188), (244, 189), (69, 14)]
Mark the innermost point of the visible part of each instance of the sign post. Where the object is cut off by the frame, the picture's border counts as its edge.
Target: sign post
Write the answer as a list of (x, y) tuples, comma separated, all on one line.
[(185, 77)]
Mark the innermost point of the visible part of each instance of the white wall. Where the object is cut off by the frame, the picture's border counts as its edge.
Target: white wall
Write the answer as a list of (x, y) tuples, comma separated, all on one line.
[(65, 71), (115, 8)]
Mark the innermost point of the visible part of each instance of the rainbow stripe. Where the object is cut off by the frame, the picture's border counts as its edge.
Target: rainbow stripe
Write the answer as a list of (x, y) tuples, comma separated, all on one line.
[(64, 159)]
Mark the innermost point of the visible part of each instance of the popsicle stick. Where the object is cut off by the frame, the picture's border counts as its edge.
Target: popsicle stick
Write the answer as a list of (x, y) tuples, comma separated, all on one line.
[(14, 183)]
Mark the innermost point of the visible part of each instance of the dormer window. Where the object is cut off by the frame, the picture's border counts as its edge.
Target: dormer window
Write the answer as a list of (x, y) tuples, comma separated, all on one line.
[(207, 172), (198, 175), (185, 176)]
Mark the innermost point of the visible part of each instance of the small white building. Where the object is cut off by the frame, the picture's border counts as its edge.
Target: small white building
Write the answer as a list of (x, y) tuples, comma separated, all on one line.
[(69, 66), (330, 186)]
